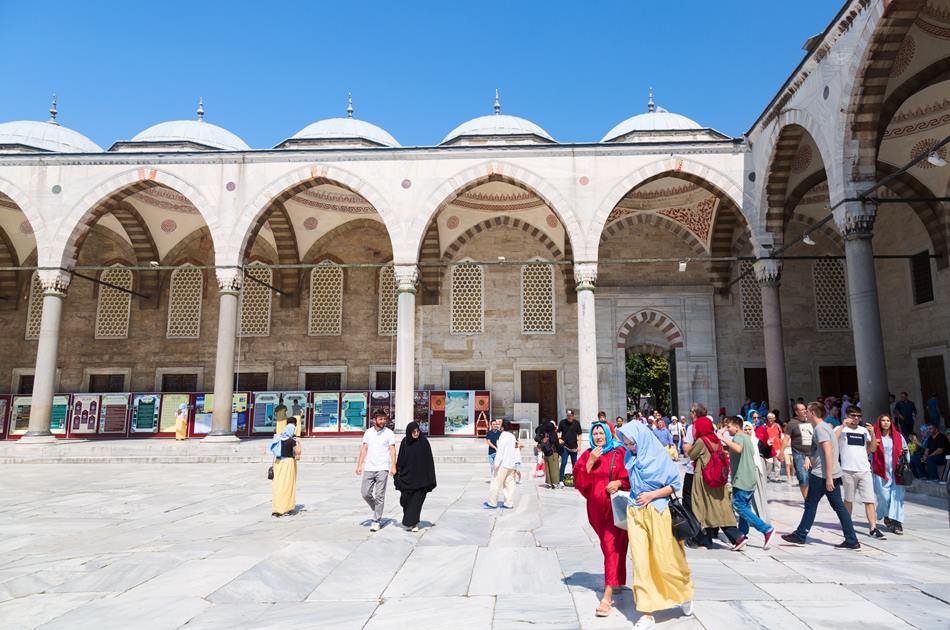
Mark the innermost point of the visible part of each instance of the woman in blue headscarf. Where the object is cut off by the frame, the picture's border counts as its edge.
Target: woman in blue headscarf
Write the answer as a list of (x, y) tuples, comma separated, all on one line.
[(286, 452), (661, 576), (599, 473)]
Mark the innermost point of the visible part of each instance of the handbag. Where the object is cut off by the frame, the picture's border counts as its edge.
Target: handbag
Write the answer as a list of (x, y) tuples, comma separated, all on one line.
[(270, 472), (619, 501), (684, 522), (902, 472)]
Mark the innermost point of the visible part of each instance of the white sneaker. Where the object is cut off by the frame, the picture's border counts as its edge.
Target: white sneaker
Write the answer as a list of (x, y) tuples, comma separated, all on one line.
[(415, 529), (687, 608), (374, 527), (645, 621), (560, 485)]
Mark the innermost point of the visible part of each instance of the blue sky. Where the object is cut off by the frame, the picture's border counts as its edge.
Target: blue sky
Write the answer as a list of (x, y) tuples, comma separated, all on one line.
[(418, 69)]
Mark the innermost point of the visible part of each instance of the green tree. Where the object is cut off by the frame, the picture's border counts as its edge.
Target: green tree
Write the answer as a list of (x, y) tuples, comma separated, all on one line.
[(648, 375)]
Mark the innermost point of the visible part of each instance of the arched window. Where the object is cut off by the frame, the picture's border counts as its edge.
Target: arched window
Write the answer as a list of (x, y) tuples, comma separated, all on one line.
[(468, 307), (256, 301), (386, 323), (112, 313), (184, 303), (326, 300), (537, 299), (831, 295), (750, 297), (34, 312)]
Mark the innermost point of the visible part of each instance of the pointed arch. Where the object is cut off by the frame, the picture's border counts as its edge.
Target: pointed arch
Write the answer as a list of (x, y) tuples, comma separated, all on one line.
[(651, 317), (356, 225), (285, 238), (33, 217), (907, 186), (9, 280), (656, 220)]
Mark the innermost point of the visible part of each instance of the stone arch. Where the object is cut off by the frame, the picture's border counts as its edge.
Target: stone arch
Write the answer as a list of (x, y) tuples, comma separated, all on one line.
[(350, 226), (176, 257), (285, 238), (651, 317), (649, 348), (907, 186), (798, 193), (495, 170), (656, 220), (25, 205), (9, 279), (144, 248)]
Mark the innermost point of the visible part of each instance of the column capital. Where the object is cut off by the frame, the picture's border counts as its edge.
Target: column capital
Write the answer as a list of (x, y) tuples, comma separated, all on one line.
[(768, 272), (585, 275), (229, 279), (406, 278), (856, 219), (54, 281)]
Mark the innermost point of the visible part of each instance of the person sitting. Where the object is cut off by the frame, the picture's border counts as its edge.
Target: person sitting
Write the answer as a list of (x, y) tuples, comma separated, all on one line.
[(935, 453)]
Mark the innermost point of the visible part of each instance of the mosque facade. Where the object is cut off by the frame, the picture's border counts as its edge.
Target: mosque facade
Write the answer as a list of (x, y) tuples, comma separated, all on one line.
[(807, 257)]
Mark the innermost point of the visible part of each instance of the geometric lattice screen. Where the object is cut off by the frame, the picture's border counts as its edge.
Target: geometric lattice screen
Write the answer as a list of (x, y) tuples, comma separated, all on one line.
[(467, 300), (256, 301), (112, 312), (326, 300), (184, 303), (386, 324), (831, 295), (34, 312), (537, 299), (750, 297)]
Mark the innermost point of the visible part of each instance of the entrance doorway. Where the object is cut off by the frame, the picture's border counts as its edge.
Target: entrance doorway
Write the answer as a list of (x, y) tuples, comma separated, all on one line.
[(933, 380), (540, 386), (649, 379), (837, 380)]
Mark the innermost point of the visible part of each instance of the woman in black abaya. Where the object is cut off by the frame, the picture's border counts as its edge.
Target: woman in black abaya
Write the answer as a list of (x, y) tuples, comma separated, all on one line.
[(415, 475)]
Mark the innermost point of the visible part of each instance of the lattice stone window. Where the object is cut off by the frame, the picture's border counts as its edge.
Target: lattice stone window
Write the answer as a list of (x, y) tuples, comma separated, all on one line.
[(112, 313), (386, 324), (256, 301), (468, 307), (537, 299), (34, 312), (326, 300), (831, 295), (184, 303), (750, 297)]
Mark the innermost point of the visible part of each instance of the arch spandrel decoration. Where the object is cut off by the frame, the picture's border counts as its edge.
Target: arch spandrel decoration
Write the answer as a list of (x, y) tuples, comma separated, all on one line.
[(656, 319)]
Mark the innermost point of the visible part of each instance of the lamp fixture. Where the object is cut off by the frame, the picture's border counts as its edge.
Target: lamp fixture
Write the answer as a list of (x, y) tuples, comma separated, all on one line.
[(936, 159), (501, 258), (153, 263), (682, 266), (808, 240)]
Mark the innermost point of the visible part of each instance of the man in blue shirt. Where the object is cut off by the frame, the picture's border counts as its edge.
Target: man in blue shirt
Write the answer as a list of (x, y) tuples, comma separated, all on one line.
[(906, 414)]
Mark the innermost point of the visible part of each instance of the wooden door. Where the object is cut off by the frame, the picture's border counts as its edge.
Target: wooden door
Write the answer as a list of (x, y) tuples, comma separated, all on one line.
[(323, 381), (837, 380), (933, 380), (756, 384), (540, 386), (467, 380)]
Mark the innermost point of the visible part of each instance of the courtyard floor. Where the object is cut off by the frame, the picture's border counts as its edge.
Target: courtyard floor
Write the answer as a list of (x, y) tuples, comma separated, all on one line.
[(194, 546)]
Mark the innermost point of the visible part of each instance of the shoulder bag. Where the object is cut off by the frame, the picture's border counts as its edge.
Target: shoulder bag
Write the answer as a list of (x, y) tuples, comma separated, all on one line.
[(685, 524), (902, 473), (619, 500)]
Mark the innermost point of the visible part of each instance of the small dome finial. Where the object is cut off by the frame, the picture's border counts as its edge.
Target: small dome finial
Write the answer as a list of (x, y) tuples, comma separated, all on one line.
[(497, 102), (349, 105), (52, 112), (651, 106), (201, 109)]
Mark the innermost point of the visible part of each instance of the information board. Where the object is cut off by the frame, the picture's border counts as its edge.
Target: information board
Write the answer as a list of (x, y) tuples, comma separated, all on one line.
[(420, 410), (169, 411), (57, 421), (145, 409), (85, 414), (115, 412), (326, 412), (353, 415), (296, 403), (204, 406), (459, 413), (266, 413), (4, 414), (382, 402), (20, 415)]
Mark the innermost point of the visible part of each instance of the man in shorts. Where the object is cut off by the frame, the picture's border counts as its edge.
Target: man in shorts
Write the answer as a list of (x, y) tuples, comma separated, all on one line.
[(855, 443), (800, 431)]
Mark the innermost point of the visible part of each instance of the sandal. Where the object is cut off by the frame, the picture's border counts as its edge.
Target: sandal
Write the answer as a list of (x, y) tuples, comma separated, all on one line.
[(604, 609)]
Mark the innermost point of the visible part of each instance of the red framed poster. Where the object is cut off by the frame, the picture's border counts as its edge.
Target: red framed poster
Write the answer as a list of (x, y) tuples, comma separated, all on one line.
[(114, 414), (437, 413), (144, 416), (4, 415), (83, 415), (168, 416)]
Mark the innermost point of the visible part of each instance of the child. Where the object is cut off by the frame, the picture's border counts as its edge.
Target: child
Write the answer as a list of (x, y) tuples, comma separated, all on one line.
[(539, 458), (517, 462)]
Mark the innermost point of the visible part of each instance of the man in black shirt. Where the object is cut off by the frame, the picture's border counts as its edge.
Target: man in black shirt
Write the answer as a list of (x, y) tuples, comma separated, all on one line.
[(569, 431), (937, 446), (491, 438)]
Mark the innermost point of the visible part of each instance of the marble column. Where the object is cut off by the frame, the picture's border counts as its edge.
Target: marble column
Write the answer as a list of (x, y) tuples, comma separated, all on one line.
[(406, 277), (54, 283), (768, 273), (856, 222), (585, 275), (229, 284)]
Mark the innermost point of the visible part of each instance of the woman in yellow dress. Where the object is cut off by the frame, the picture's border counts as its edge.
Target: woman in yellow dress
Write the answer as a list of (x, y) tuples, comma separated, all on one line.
[(661, 576), (181, 422), (286, 452)]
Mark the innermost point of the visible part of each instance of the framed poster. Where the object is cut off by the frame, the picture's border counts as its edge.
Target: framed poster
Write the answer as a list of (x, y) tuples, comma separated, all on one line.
[(482, 410), (84, 416), (326, 412), (460, 413), (383, 401), (420, 410), (296, 403), (145, 413), (204, 406), (268, 412), (353, 414), (4, 415), (437, 413), (57, 420), (239, 412), (169, 414), (115, 412), (20, 415)]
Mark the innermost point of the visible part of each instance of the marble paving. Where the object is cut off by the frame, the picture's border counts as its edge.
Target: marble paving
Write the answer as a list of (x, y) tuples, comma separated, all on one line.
[(193, 546)]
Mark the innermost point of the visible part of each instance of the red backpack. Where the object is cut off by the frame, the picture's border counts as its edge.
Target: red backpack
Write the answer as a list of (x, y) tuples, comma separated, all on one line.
[(716, 470)]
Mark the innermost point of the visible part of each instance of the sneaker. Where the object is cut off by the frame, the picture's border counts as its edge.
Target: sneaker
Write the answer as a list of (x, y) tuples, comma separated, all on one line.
[(793, 538), (877, 533), (414, 529), (898, 529), (560, 485), (768, 538), (740, 543), (848, 545), (374, 527), (687, 608), (488, 506), (645, 621)]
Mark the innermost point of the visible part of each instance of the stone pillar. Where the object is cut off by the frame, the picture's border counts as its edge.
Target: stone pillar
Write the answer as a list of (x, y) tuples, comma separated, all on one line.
[(406, 277), (856, 222), (768, 273), (54, 283), (229, 283), (585, 275)]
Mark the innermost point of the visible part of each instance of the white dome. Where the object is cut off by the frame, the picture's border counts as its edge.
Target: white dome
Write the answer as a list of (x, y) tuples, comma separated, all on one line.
[(344, 129), (193, 131), (497, 125), (45, 136), (660, 120)]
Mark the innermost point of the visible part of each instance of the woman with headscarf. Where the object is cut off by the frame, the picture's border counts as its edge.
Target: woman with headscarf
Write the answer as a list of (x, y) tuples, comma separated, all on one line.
[(600, 472), (712, 506), (286, 453), (661, 576), (888, 489), (415, 475), (181, 422), (759, 501)]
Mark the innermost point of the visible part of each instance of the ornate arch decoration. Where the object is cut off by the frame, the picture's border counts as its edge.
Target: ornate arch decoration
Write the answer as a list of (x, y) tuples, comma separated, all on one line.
[(285, 238), (906, 186), (651, 317), (936, 72), (798, 193), (725, 242), (780, 171), (656, 220), (144, 248), (24, 205), (9, 279)]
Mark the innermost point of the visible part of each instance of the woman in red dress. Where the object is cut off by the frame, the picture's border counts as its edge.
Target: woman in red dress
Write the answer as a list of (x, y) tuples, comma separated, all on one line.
[(600, 473)]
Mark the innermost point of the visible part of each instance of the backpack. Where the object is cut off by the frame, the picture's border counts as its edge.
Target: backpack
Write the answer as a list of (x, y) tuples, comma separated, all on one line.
[(716, 470)]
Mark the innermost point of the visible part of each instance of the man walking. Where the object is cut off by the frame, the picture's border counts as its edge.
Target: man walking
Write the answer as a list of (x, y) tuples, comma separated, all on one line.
[(824, 480), (377, 461), (906, 412), (801, 432), (744, 476), (505, 467), (491, 438), (569, 431), (855, 443)]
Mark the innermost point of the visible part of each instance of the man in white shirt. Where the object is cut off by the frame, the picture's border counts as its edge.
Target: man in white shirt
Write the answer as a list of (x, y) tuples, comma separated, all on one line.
[(505, 465), (377, 461), (855, 443)]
